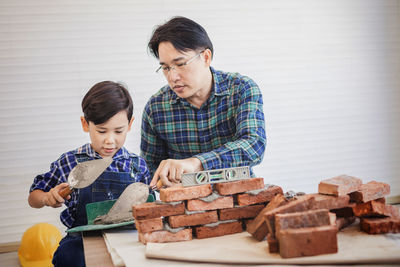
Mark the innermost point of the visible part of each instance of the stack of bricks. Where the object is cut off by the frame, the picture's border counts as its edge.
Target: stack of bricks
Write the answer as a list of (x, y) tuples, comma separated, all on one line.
[(307, 225), (376, 217), (367, 202), (302, 226), (202, 211)]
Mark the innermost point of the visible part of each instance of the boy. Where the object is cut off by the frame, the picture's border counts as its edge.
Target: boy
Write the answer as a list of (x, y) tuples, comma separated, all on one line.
[(107, 109)]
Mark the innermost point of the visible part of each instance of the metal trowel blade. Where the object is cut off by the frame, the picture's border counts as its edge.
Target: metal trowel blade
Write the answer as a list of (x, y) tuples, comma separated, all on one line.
[(121, 211)]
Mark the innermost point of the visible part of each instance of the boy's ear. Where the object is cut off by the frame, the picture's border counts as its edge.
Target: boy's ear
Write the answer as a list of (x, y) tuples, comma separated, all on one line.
[(85, 125), (130, 123)]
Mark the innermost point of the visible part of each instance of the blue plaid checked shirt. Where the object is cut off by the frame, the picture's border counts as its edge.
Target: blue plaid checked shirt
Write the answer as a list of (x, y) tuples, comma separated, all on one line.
[(228, 130), (60, 169)]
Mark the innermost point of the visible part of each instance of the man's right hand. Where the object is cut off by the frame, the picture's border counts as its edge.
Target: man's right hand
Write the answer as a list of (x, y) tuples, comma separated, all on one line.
[(170, 171)]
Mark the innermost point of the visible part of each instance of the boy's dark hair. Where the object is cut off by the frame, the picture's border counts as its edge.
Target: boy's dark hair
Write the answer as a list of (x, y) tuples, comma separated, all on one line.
[(183, 33), (104, 100)]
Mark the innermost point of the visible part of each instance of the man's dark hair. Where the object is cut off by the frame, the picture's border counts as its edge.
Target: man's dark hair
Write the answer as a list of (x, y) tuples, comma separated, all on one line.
[(104, 100), (183, 33)]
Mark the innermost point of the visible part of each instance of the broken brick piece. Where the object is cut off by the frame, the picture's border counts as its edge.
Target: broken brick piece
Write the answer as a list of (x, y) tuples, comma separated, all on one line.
[(303, 204), (166, 236), (193, 219), (179, 193), (308, 241), (218, 230), (240, 186), (340, 185), (328, 201), (258, 228), (380, 225), (240, 212), (219, 203), (370, 191), (273, 244), (150, 210), (303, 219), (149, 225), (375, 208), (263, 196)]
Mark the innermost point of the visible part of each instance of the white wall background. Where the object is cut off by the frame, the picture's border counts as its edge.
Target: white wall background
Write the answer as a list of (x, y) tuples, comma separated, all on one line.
[(329, 72)]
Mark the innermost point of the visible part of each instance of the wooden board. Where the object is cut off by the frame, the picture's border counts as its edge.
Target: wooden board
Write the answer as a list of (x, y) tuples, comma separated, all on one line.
[(96, 253)]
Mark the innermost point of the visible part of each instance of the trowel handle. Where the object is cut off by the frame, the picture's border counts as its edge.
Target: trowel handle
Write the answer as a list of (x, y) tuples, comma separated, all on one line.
[(65, 192), (157, 186)]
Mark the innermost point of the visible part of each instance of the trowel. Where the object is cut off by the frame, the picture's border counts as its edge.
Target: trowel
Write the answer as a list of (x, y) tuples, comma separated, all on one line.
[(84, 174), (121, 211)]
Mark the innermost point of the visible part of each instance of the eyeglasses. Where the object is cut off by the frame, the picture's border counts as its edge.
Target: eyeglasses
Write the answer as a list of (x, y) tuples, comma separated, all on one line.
[(179, 66)]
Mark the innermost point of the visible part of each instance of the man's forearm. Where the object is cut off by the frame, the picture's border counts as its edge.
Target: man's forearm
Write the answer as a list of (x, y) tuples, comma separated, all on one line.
[(242, 152)]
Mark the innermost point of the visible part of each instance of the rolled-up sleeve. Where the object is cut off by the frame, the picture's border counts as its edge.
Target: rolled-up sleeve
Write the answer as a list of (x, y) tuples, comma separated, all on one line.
[(248, 146)]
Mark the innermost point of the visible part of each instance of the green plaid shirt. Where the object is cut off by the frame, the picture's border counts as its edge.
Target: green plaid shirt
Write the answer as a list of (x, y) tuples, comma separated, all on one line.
[(227, 131)]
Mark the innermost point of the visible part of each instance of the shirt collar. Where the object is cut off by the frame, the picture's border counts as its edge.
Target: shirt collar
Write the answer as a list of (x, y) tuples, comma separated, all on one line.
[(88, 150), (219, 87)]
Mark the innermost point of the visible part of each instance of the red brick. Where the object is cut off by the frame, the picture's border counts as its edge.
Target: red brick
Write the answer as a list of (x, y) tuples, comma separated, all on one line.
[(150, 210), (328, 202), (332, 218), (149, 225), (240, 212), (375, 208), (193, 219), (370, 191), (258, 228), (166, 236), (239, 186), (260, 232), (263, 196), (307, 241), (247, 222), (219, 230), (303, 219), (273, 244), (219, 203), (346, 211), (340, 185), (343, 222), (178, 193), (380, 225), (302, 204)]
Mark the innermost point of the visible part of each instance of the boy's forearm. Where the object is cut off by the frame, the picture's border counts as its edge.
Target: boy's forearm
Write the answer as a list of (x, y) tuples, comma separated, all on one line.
[(36, 199)]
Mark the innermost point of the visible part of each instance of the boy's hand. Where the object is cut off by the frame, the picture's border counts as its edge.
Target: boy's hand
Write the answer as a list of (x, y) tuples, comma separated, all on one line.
[(53, 198), (170, 171)]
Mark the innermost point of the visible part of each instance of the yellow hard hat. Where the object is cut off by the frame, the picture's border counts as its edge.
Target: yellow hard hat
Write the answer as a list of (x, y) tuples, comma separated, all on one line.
[(38, 245)]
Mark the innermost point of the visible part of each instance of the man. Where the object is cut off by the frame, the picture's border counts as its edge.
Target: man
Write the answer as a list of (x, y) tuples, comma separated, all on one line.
[(203, 119)]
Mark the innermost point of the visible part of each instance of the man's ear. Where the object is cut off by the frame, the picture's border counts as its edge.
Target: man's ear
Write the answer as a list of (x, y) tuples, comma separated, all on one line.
[(85, 125), (130, 123), (207, 56)]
